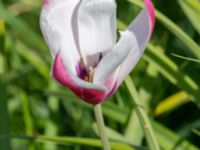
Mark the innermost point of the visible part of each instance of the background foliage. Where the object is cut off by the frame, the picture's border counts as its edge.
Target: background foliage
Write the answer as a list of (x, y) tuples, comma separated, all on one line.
[(38, 114)]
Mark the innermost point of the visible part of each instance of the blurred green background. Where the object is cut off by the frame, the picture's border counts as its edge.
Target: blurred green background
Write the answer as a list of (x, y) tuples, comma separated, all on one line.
[(167, 85)]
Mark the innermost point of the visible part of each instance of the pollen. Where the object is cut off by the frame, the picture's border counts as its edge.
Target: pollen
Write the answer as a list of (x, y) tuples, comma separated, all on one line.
[(90, 76)]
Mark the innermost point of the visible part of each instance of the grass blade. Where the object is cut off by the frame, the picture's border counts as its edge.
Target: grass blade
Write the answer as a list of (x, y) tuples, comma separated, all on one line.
[(26, 113), (171, 71), (171, 141), (149, 134), (50, 126), (4, 126), (160, 132), (33, 58), (193, 16), (27, 117), (195, 4), (196, 132), (186, 58), (172, 102), (21, 27), (133, 131), (83, 141)]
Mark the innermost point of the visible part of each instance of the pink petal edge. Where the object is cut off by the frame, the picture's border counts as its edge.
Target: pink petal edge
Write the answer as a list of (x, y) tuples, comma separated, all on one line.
[(151, 12), (62, 75), (150, 8)]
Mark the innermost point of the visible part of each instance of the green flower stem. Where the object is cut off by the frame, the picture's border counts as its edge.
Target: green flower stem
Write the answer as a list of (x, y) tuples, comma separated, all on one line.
[(140, 111), (101, 127)]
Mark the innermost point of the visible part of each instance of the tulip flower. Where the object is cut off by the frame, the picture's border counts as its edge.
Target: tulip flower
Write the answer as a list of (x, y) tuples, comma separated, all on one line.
[(82, 37)]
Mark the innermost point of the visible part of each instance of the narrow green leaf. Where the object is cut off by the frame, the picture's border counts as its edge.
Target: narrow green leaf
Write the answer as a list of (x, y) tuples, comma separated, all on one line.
[(172, 102), (26, 113), (36, 60), (195, 4), (160, 133), (197, 132), (171, 71), (112, 134), (83, 141), (133, 130), (110, 110), (115, 136), (21, 27), (187, 129), (191, 13), (27, 117), (186, 58), (142, 115), (171, 141), (4, 126), (51, 129)]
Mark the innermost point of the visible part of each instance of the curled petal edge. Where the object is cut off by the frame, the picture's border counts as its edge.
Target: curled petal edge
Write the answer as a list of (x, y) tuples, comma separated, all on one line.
[(151, 11), (92, 94), (135, 55)]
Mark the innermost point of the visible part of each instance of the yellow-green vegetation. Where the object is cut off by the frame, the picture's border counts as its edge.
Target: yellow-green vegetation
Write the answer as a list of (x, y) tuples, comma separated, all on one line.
[(159, 99)]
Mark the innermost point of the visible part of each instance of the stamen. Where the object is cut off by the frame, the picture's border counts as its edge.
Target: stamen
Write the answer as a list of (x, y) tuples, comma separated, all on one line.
[(86, 73), (91, 74), (89, 78)]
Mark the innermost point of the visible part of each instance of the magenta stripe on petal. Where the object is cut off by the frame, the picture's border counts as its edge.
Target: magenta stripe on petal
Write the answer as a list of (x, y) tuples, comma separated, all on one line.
[(61, 74), (150, 8)]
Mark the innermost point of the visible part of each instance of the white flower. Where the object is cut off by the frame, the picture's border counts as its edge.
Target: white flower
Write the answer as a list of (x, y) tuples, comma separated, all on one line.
[(81, 35)]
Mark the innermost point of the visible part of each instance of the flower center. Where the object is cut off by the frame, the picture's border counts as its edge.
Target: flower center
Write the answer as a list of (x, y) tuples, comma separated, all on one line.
[(89, 77), (85, 73)]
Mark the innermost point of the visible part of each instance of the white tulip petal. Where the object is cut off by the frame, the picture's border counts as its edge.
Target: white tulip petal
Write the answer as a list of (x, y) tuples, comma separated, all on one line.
[(96, 28), (92, 93), (56, 26), (112, 60), (141, 27)]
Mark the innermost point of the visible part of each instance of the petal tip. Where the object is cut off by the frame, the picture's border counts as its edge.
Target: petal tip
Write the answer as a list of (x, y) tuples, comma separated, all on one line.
[(151, 11)]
